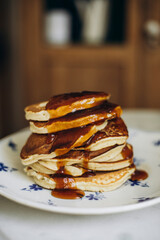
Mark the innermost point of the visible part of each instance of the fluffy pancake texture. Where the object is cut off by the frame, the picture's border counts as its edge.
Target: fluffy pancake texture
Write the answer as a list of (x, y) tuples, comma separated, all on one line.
[(77, 168), (51, 145), (105, 111), (99, 182), (115, 132), (62, 104), (78, 141)]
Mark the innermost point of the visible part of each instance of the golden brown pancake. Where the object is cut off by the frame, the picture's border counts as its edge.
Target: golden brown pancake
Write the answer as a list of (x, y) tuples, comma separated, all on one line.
[(107, 154), (100, 181), (63, 104), (59, 143), (105, 111), (78, 169), (123, 159), (100, 155), (115, 132)]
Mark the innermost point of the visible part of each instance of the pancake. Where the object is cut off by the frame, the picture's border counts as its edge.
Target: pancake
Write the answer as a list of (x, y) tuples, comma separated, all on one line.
[(115, 132), (78, 143), (124, 159), (101, 155), (105, 111), (78, 156), (69, 170), (56, 144), (78, 170), (63, 104), (99, 182)]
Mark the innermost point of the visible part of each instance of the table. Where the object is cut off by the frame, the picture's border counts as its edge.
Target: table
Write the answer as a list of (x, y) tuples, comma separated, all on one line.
[(21, 222)]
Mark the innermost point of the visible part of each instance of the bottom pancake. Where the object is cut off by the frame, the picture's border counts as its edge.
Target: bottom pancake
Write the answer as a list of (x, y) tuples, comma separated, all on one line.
[(100, 181)]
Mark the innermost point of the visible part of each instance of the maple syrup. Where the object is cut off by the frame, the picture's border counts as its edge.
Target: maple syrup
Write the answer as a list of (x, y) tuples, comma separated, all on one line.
[(139, 175)]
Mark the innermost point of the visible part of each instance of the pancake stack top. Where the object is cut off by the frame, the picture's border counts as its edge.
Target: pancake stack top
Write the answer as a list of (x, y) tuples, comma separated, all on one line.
[(78, 141)]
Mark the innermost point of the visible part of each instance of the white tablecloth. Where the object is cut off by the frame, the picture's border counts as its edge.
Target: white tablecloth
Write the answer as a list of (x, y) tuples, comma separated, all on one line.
[(23, 223)]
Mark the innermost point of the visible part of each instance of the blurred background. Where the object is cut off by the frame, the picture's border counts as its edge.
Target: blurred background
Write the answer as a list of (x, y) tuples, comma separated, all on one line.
[(49, 47)]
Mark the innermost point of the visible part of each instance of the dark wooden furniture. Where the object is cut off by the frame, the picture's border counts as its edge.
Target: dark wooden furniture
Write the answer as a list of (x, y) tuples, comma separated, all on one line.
[(129, 71)]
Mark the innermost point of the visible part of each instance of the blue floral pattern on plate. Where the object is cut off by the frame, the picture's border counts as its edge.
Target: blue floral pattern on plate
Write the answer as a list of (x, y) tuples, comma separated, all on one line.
[(33, 187), (2, 186), (143, 199), (12, 145), (95, 196), (4, 168), (156, 143), (49, 202), (136, 183), (138, 161)]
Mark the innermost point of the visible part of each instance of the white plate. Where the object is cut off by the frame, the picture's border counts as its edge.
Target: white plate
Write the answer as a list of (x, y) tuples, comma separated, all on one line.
[(15, 185)]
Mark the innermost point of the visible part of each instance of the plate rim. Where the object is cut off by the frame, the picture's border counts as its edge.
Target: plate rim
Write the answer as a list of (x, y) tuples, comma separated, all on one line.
[(82, 211)]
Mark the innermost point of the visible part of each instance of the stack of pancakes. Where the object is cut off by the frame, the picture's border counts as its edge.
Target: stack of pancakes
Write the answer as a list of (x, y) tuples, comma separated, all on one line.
[(78, 141)]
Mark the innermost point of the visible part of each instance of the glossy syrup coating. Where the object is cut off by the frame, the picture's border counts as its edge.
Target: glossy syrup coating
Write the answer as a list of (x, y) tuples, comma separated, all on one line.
[(63, 104), (60, 142), (85, 97), (139, 175), (115, 128), (105, 111)]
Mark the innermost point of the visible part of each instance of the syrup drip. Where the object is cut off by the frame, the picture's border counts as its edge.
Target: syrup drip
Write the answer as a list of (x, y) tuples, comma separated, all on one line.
[(65, 140), (127, 152), (68, 193), (139, 175), (66, 187), (66, 184)]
